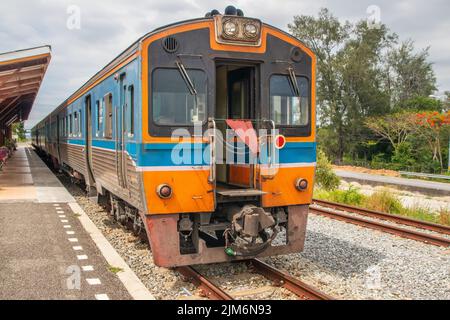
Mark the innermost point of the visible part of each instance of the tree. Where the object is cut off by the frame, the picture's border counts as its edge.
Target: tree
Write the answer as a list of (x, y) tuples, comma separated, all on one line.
[(409, 74), (362, 72), (326, 36), (348, 82), (420, 103), (431, 125), (19, 130), (394, 127)]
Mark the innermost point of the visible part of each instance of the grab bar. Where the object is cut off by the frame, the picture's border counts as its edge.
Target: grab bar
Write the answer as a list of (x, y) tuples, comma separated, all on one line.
[(212, 150)]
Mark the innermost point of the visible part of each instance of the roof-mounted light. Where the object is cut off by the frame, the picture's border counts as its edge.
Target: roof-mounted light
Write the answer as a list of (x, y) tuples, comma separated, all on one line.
[(238, 30)]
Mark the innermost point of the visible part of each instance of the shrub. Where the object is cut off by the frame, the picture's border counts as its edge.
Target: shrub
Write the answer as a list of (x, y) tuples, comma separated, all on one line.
[(444, 216), (351, 196), (403, 155), (325, 176), (384, 201)]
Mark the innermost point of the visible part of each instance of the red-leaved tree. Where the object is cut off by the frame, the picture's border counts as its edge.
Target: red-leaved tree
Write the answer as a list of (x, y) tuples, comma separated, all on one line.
[(430, 125)]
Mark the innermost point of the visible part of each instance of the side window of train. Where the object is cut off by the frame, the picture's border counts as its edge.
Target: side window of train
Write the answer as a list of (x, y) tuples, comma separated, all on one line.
[(70, 125), (99, 109), (108, 113), (75, 120), (67, 127), (80, 123), (130, 111)]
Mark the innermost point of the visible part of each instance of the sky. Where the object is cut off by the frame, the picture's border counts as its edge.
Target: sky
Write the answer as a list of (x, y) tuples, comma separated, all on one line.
[(81, 47)]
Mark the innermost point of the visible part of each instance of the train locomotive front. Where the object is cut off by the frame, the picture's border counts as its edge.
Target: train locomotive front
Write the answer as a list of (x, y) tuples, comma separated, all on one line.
[(230, 136), (220, 163)]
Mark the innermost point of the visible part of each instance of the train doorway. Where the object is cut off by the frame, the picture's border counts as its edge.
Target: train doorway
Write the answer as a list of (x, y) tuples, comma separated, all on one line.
[(236, 94), (120, 133), (88, 130)]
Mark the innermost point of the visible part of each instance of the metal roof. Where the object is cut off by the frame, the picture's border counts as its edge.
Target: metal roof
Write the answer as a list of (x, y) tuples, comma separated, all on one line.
[(21, 74)]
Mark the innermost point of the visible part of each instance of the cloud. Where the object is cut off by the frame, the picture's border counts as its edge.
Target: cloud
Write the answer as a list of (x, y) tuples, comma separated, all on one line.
[(108, 27)]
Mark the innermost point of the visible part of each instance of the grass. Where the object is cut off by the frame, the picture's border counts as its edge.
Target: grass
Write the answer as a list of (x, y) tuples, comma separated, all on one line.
[(382, 200), (115, 270)]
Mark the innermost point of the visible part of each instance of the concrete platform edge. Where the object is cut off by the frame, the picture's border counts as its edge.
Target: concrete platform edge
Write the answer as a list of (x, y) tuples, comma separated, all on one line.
[(129, 279)]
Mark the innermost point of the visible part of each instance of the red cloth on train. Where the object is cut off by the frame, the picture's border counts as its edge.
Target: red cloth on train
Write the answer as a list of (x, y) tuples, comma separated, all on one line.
[(245, 131)]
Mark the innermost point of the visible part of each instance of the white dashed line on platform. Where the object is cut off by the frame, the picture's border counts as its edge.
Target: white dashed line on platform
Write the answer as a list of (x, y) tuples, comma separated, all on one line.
[(77, 248), (59, 211), (93, 281), (70, 232), (67, 226), (101, 296), (73, 239), (62, 216), (64, 221), (87, 268), (82, 257), (56, 204)]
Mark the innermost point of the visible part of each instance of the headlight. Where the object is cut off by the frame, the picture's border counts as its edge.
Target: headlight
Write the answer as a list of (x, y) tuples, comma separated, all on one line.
[(238, 30), (230, 28), (301, 184), (164, 191), (251, 30)]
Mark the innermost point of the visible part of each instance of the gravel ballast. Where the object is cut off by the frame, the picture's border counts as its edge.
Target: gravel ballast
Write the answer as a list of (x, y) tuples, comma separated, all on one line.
[(351, 262), (342, 260)]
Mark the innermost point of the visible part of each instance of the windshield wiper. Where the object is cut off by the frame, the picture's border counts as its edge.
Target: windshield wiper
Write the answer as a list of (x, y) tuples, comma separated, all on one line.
[(191, 88), (186, 78), (293, 80)]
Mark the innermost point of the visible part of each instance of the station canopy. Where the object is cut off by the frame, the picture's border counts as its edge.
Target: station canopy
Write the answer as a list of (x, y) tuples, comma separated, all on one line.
[(21, 74)]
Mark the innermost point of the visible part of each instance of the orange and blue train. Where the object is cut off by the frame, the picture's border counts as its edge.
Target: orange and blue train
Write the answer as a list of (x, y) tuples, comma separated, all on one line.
[(205, 77)]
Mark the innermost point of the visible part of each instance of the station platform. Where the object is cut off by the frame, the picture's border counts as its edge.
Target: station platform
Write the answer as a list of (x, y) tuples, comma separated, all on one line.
[(415, 185), (49, 248)]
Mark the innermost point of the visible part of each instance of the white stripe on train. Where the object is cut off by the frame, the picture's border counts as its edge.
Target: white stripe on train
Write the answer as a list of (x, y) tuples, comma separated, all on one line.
[(206, 168)]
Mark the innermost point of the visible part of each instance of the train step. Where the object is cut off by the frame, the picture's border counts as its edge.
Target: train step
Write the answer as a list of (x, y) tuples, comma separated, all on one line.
[(241, 193)]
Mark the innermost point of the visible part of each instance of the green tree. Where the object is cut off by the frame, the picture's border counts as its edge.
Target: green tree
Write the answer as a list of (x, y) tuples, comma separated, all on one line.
[(409, 74), (326, 36), (420, 103), (19, 130), (396, 128), (362, 72), (349, 85)]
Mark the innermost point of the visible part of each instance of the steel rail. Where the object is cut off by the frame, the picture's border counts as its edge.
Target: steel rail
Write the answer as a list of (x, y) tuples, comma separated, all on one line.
[(402, 232), (207, 287), (386, 216), (299, 288)]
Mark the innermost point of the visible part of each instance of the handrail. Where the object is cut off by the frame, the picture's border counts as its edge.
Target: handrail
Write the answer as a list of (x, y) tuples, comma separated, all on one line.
[(271, 149), (212, 140), (212, 150)]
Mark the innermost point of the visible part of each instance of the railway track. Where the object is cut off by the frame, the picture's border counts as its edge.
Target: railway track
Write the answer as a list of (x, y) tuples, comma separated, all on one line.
[(280, 279), (328, 209)]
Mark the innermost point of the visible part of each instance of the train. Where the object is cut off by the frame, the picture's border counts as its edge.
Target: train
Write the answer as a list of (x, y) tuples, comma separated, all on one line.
[(200, 137)]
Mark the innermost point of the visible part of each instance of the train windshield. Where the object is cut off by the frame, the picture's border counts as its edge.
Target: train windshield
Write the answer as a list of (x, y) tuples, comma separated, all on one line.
[(173, 103), (288, 108)]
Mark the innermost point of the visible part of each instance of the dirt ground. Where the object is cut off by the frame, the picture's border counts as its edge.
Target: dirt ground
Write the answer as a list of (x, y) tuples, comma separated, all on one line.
[(382, 172), (409, 199)]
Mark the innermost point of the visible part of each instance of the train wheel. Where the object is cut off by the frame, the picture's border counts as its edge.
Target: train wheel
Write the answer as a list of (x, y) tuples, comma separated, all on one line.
[(120, 215), (137, 225), (113, 207)]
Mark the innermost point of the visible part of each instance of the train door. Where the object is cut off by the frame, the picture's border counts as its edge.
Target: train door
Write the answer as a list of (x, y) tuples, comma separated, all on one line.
[(58, 135), (241, 107), (88, 131), (120, 136)]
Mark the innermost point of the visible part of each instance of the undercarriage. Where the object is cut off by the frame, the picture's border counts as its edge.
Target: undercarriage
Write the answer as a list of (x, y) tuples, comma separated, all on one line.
[(231, 233)]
